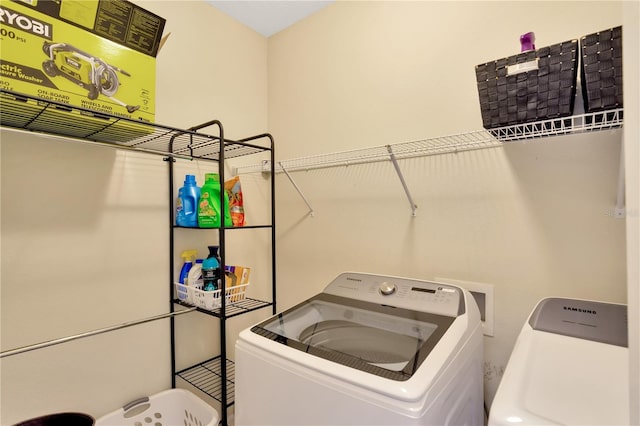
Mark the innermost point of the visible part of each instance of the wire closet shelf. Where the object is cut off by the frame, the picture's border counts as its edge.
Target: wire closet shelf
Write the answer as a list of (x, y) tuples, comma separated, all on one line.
[(25, 112), (481, 139), (30, 113)]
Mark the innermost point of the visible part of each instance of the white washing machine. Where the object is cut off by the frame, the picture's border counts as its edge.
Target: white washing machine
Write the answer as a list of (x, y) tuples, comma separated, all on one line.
[(368, 350), (569, 366)]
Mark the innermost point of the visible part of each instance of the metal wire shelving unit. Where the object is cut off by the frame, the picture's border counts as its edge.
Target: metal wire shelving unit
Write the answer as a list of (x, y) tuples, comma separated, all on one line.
[(25, 113)]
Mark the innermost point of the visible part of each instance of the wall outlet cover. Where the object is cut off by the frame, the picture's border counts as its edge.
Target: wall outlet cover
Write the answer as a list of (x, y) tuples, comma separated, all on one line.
[(483, 294)]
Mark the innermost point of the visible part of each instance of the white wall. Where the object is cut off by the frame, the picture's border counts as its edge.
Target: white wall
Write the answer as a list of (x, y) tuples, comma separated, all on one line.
[(85, 234), (532, 219)]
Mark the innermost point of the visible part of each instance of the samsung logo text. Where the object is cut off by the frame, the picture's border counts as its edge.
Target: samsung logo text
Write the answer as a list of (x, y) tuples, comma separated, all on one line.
[(581, 310)]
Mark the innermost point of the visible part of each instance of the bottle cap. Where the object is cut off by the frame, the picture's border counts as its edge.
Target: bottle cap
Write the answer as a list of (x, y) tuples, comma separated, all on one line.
[(527, 42), (212, 177), (187, 255)]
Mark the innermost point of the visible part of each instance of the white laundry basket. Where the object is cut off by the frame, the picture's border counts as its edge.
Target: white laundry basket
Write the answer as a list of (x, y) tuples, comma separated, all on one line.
[(210, 300), (168, 408)]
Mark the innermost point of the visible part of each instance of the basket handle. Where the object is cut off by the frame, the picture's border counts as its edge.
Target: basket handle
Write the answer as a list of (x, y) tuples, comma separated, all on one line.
[(129, 406)]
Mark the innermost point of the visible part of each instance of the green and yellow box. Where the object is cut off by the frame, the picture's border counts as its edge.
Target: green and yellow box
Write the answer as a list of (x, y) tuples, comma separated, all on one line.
[(95, 54)]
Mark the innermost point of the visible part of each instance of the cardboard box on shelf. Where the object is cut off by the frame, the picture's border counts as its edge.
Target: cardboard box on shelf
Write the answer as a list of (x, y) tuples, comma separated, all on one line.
[(236, 275), (98, 55)]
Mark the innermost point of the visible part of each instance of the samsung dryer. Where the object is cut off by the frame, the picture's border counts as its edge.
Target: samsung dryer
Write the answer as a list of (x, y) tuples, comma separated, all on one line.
[(569, 366), (368, 350)]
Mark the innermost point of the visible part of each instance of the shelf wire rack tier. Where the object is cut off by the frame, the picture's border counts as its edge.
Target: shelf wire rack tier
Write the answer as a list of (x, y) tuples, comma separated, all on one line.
[(589, 122), (233, 309), (207, 377), (25, 112)]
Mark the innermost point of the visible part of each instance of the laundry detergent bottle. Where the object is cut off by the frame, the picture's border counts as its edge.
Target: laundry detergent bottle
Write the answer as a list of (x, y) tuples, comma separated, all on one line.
[(187, 202), (211, 270), (195, 275), (209, 209)]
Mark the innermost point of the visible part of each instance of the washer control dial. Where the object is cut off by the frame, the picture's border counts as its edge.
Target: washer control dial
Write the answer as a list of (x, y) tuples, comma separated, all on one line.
[(387, 289)]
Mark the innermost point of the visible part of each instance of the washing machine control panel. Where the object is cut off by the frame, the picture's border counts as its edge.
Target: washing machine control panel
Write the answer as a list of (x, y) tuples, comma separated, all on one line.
[(405, 293)]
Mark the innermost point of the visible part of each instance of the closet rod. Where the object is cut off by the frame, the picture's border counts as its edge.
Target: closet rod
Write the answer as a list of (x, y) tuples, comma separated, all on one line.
[(53, 342)]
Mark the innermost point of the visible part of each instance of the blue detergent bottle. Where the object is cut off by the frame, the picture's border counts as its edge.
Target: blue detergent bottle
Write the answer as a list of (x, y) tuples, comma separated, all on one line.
[(187, 202)]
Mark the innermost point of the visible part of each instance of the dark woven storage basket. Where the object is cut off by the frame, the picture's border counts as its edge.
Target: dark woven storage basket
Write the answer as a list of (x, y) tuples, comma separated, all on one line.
[(601, 71), (545, 93)]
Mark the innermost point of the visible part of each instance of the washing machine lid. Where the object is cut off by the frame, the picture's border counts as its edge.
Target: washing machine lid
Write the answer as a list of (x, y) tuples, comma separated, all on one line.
[(584, 319), (569, 366), (385, 339)]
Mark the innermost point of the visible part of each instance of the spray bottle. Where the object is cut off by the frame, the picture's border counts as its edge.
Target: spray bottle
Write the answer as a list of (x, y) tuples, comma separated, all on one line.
[(188, 256), (211, 270)]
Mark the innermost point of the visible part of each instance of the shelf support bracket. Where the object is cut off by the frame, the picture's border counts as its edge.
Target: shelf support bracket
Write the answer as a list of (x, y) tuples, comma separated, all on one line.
[(311, 212), (392, 156), (619, 211)]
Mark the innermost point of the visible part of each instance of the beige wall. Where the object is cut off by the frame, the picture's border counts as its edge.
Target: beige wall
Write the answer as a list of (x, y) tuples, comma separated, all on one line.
[(85, 234), (532, 219)]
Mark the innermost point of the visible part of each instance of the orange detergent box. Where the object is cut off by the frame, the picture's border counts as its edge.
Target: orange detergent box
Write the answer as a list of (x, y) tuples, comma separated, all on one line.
[(94, 54)]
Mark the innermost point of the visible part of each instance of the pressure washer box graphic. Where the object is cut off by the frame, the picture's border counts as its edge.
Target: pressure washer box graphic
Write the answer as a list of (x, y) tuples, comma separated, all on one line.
[(95, 54)]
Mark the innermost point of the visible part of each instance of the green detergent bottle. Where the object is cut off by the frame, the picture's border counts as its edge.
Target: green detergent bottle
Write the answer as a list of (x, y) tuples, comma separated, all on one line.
[(209, 211)]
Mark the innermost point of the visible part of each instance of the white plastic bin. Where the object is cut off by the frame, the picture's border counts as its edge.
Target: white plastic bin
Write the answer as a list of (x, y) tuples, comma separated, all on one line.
[(168, 408), (210, 300)]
